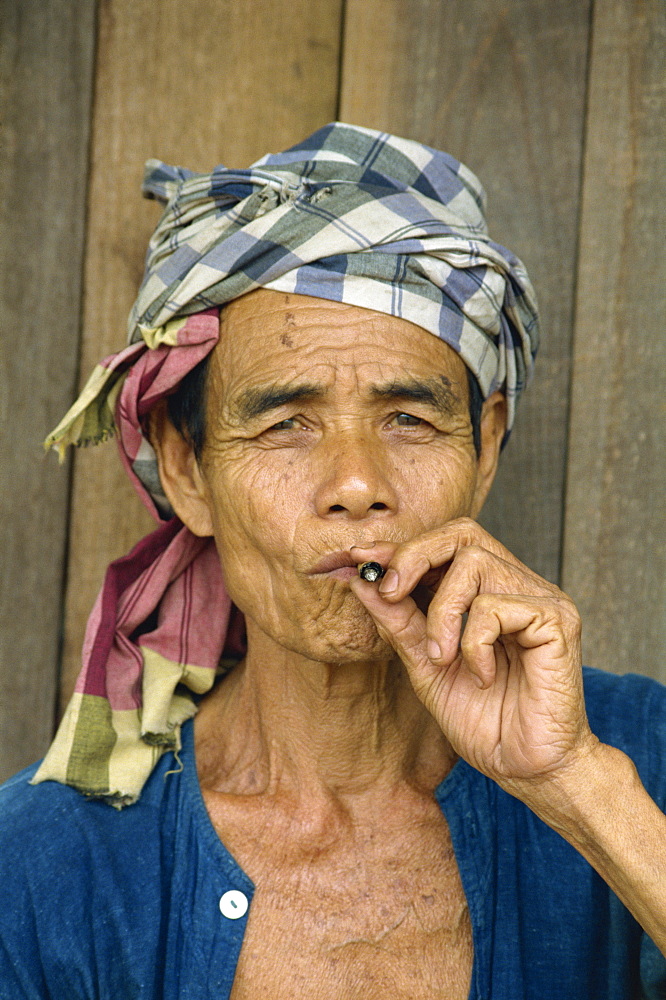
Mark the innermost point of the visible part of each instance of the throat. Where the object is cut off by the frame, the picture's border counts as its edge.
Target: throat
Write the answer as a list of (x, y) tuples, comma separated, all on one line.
[(319, 780), (282, 726)]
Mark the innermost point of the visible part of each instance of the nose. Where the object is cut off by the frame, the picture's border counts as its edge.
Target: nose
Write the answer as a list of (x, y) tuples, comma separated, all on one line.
[(354, 480)]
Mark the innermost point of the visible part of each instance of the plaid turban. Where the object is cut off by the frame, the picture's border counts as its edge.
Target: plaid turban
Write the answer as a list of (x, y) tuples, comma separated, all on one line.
[(350, 214)]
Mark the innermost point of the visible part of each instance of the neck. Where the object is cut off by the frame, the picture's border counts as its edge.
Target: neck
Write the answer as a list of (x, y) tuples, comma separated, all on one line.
[(284, 724)]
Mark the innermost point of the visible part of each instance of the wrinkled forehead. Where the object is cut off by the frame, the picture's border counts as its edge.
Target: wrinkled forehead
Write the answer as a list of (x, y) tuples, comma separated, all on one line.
[(269, 337)]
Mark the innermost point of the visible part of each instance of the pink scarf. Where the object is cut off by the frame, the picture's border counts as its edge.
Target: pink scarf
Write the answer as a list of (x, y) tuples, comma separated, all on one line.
[(163, 624)]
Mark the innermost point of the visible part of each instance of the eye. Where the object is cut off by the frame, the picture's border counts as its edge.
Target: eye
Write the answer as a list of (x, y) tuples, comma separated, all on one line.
[(292, 432), (284, 425), (407, 420), (290, 425)]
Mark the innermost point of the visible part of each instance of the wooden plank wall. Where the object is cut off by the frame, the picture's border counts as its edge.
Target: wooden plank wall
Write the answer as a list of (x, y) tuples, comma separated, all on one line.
[(614, 552), (46, 63), (556, 106)]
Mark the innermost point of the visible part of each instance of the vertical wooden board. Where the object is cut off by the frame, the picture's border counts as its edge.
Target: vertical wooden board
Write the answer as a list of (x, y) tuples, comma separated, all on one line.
[(501, 87), (46, 55), (614, 555), (196, 83)]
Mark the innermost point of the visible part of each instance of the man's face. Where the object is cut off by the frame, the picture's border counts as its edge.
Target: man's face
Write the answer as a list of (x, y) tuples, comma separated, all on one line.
[(328, 426)]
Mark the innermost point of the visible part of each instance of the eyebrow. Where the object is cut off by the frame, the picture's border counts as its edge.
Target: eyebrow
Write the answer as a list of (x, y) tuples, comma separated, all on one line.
[(254, 403), (437, 392)]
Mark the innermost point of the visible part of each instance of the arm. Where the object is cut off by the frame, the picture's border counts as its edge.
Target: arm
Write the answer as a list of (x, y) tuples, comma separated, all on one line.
[(604, 811), (509, 697)]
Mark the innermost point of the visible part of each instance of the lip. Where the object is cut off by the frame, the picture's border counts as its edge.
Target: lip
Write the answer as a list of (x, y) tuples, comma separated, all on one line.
[(332, 562)]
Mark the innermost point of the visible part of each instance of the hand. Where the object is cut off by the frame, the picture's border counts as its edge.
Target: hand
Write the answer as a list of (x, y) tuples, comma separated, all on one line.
[(508, 695), (509, 698)]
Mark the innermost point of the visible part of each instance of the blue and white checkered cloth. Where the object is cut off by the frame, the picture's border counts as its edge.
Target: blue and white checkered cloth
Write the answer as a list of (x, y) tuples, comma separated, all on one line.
[(356, 216), (349, 214)]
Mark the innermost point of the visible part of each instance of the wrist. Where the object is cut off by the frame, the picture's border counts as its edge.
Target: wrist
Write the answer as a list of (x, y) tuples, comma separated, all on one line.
[(584, 799), (600, 806)]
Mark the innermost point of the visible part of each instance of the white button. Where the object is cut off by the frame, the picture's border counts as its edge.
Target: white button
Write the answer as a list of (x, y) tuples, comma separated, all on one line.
[(233, 904)]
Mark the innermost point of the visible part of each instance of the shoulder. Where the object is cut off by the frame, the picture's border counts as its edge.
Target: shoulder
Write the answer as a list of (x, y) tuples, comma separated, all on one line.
[(56, 845), (628, 711), (51, 819), (74, 875), (36, 820), (100, 902)]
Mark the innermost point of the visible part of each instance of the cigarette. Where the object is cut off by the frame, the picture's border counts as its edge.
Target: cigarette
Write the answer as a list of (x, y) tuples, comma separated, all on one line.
[(371, 571)]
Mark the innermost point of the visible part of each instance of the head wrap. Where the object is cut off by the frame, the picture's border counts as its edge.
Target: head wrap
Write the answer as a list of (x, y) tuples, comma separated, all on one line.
[(350, 214)]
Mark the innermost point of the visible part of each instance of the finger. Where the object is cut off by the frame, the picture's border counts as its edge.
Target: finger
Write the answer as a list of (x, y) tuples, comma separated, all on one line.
[(474, 571), (381, 552), (403, 626), (428, 555), (528, 622)]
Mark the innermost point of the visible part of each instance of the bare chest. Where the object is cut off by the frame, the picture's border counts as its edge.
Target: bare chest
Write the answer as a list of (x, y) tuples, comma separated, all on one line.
[(383, 918), (382, 941)]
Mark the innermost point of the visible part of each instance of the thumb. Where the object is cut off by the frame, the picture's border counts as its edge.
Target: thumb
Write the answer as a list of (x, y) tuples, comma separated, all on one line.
[(403, 626)]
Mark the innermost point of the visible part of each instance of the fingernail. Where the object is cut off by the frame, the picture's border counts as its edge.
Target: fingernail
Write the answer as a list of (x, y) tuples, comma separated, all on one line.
[(389, 583), (434, 651), (366, 545)]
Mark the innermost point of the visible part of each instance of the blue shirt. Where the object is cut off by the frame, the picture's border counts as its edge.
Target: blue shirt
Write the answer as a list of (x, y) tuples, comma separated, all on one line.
[(107, 904)]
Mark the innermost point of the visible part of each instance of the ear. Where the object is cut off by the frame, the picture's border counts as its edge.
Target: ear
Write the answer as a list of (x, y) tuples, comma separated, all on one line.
[(180, 474), (493, 428)]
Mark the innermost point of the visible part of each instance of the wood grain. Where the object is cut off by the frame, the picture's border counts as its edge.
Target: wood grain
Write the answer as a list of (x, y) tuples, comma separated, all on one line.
[(196, 83), (501, 87), (614, 554), (46, 58)]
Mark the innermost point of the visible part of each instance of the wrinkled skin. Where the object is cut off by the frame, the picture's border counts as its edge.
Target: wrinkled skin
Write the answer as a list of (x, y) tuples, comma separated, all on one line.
[(337, 435), (343, 465), (289, 486)]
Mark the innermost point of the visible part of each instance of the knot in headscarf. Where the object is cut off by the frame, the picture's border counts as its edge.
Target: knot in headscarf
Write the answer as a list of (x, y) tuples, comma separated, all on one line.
[(349, 214), (356, 216)]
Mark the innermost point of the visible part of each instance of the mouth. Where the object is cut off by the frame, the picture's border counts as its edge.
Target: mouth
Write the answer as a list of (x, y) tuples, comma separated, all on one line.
[(338, 565)]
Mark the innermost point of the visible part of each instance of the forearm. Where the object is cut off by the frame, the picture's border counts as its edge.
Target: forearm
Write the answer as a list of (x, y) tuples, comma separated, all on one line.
[(604, 811)]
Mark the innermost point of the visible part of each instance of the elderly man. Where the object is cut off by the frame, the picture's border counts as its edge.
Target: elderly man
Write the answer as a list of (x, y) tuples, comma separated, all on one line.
[(391, 787)]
